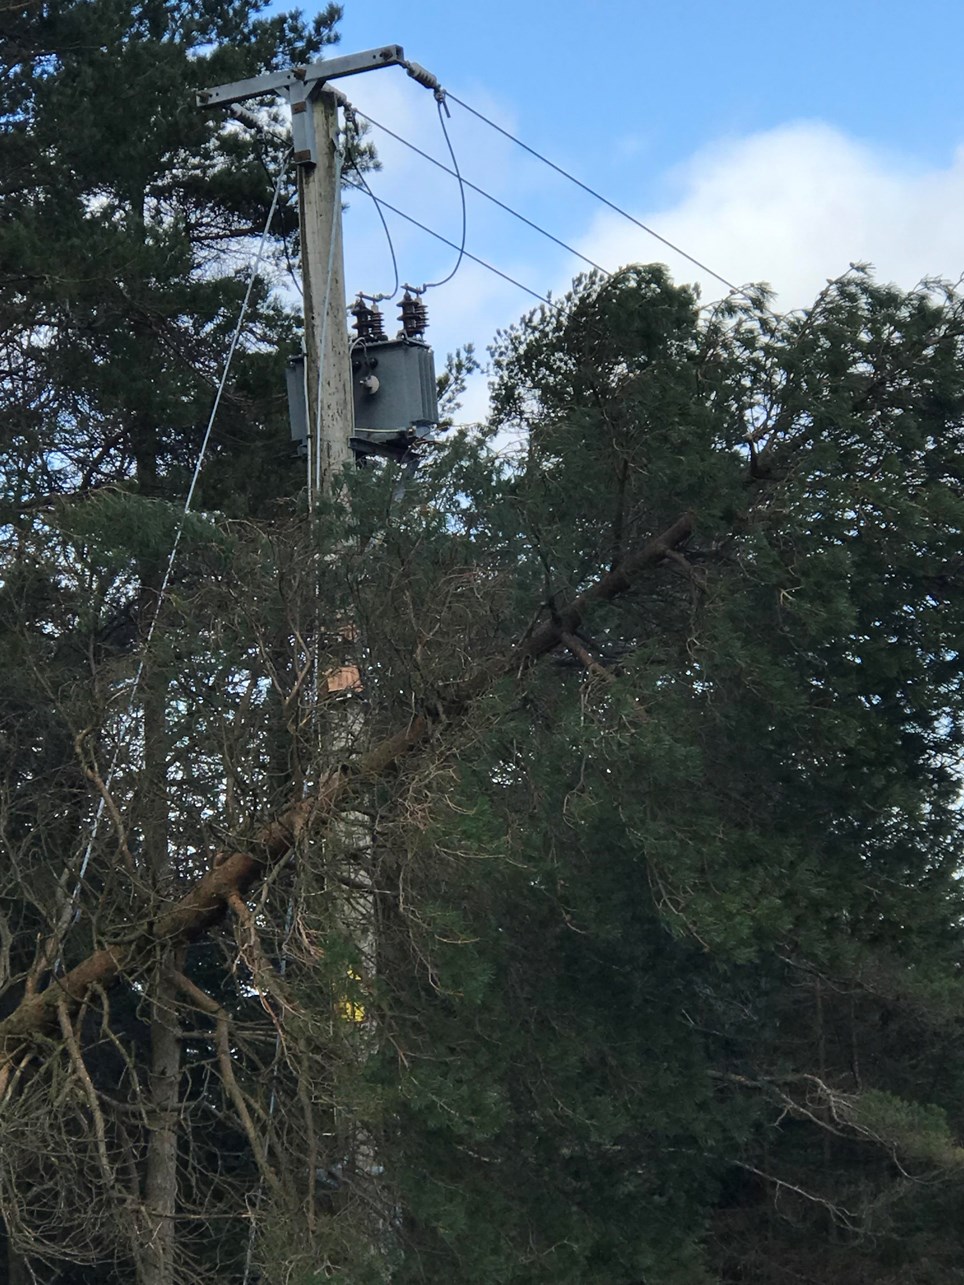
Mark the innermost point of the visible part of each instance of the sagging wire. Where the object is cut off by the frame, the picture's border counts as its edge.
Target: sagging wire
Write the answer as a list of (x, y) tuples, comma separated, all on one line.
[(443, 111), (351, 119), (70, 909), (516, 214)]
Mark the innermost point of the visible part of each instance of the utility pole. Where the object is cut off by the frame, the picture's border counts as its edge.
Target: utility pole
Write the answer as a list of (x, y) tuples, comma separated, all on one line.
[(318, 152), (318, 155), (329, 398)]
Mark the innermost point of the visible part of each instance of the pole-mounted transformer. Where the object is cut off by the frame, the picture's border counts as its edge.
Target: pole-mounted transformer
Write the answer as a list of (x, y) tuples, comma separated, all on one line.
[(394, 393), (393, 382)]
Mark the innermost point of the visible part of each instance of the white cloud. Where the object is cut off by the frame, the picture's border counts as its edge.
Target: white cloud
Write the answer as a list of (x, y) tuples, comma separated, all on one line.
[(794, 206), (791, 206)]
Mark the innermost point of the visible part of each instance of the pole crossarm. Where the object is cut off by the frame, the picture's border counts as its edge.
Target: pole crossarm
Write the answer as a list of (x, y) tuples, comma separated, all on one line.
[(312, 75)]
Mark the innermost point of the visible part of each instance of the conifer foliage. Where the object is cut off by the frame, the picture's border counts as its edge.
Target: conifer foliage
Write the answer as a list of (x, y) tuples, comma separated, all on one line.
[(649, 805)]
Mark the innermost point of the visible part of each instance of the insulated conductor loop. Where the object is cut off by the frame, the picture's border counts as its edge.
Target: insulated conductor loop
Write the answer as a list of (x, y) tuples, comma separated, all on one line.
[(442, 104)]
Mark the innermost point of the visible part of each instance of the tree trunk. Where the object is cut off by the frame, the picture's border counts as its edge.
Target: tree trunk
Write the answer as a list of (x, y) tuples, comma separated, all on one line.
[(157, 1234), (157, 1256), (157, 1251), (18, 1273)]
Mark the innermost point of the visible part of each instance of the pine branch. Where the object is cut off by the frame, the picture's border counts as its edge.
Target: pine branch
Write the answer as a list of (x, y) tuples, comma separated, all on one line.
[(234, 874)]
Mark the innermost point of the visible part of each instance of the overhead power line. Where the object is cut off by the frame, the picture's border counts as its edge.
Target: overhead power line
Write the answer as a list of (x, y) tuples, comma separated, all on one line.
[(451, 244), (442, 112), (598, 195), (516, 214)]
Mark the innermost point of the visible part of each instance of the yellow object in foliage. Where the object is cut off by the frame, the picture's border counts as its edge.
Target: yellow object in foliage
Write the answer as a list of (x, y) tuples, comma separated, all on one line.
[(349, 1010)]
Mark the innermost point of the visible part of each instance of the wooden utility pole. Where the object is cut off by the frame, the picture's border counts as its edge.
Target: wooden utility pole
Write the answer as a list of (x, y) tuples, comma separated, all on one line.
[(318, 152), (330, 415)]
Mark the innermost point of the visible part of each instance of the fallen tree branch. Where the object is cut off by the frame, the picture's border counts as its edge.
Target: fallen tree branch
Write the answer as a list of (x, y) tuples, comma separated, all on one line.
[(205, 1004), (234, 874)]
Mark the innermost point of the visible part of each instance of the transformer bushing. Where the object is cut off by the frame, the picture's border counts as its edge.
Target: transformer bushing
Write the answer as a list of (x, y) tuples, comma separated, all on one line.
[(369, 323), (413, 316)]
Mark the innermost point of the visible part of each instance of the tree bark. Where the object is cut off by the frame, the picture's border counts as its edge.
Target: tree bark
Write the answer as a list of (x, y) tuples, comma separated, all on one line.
[(155, 1229), (156, 1259), (18, 1273)]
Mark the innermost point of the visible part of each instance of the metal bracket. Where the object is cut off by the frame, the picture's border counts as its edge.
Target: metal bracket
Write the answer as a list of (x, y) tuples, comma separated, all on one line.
[(303, 146), (307, 79)]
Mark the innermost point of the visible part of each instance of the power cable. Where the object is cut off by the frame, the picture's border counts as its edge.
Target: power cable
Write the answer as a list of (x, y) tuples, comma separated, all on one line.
[(69, 910), (482, 192), (443, 111), (465, 253), (598, 195), (378, 298)]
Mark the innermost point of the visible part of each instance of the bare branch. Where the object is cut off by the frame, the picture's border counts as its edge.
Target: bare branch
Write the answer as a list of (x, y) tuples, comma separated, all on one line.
[(234, 874)]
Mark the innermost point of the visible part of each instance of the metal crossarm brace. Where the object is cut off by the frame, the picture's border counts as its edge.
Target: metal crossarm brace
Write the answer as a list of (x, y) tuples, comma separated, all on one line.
[(302, 78)]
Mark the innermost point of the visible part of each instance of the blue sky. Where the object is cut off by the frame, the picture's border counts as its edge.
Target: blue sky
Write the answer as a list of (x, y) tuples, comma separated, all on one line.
[(774, 141)]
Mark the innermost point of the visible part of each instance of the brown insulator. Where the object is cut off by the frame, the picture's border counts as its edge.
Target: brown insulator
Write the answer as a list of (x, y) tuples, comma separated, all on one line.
[(369, 323), (414, 316)]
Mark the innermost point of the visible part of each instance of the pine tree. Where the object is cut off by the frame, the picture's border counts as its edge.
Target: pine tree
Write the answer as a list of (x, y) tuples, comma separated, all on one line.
[(126, 225), (659, 759), (690, 893)]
